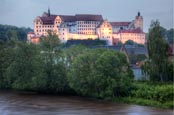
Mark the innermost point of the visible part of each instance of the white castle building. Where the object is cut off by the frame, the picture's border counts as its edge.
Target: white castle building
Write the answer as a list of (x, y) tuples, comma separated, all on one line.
[(87, 26)]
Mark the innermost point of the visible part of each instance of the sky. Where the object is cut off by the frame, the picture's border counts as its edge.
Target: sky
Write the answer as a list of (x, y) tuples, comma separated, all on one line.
[(21, 13)]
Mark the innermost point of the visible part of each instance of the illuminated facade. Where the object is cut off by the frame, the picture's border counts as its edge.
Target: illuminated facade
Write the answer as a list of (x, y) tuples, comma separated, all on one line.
[(85, 26)]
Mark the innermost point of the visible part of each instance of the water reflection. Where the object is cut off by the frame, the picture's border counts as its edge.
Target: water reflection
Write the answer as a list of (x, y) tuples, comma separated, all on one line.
[(20, 104)]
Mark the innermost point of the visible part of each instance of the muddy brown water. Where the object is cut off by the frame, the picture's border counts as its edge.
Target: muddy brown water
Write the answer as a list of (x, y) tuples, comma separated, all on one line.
[(12, 103)]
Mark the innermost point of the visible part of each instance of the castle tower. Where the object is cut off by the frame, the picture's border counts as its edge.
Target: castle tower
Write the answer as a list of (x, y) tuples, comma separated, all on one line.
[(138, 22)]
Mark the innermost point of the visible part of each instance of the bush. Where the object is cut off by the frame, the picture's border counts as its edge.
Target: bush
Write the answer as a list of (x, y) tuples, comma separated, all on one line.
[(100, 73), (161, 93), (26, 70)]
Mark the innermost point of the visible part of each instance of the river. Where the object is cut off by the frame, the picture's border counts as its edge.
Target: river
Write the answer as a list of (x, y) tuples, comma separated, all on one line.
[(12, 103)]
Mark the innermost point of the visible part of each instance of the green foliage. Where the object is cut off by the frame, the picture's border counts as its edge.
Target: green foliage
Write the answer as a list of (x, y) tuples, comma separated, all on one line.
[(145, 102), (54, 66), (130, 42), (11, 32), (150, 94), (72, 52), (167, 34), (157, 49), (169, 70), (100, 73), (26, 71), (6, 57), (161, 93), (119, 43), (50, 42), (155, 94), (134, 58), (37, 68), (87, 42)]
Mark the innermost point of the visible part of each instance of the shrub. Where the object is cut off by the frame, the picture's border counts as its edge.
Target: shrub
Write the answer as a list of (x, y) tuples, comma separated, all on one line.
[(100, 73), (161, 92)]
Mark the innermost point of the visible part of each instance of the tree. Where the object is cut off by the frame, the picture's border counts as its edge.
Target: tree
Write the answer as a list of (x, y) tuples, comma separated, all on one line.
[(72, 52), (130, 42), (6, 57), (100, 73), (26, 70), (11, 32), (53, 64), (157, 49), (87, 42)]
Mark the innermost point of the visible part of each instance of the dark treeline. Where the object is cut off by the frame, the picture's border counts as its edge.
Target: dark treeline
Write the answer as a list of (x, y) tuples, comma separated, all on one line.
[(12, 32), (87, 43)]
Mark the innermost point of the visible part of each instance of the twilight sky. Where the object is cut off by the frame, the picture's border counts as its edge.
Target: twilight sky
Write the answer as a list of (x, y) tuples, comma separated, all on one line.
[(22, 12)]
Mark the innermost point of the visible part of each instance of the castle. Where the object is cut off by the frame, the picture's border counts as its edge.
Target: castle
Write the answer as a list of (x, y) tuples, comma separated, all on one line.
[(87, 26)]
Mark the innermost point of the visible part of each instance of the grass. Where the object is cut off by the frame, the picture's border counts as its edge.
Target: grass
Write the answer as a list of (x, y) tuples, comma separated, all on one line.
[(144, 102)]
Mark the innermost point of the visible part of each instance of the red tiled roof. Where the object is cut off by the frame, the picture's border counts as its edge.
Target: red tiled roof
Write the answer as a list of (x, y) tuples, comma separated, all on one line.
[(48, 19), (88, 17), (138, 30), (68, 18), (120, 23)]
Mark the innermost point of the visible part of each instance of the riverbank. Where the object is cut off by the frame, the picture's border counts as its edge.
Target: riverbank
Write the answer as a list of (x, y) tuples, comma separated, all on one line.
[(144, 102), (160, 95)]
